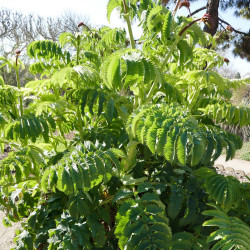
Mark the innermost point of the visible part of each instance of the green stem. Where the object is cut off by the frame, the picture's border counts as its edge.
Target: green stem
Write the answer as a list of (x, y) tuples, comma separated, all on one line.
[(77, 55), (190, 24), (20, 97), (141, 95), (135, 102), (178, 38), (62, 134), (80, 125), (78, 49), (108, 200), (78, 112), (170, 52), (27, 179), (132, 41), (151, 91)]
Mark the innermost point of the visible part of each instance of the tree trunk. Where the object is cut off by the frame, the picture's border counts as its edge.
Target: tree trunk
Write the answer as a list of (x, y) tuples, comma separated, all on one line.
[(212, 9)]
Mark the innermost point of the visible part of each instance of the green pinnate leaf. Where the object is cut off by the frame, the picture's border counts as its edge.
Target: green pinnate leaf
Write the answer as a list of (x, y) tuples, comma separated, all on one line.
[(166, 29)]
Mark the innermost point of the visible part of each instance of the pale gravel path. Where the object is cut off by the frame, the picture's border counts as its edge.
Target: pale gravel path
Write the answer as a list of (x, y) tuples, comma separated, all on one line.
[(236, 164), (7, 234)]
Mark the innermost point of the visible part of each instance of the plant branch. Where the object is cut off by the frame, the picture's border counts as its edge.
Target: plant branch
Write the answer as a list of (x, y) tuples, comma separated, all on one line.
[(27, 179), (236, 31), (126, 16), (196, 11), (220, 34), (176, 7), (78, 111), (151, 91), (20, 97), (189, 25), (178, 38)]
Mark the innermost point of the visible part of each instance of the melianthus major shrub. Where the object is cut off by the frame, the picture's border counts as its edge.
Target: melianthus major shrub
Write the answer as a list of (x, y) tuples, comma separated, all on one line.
[(137, 171)]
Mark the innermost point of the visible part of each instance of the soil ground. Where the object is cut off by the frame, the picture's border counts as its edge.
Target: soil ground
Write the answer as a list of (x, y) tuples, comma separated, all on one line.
[(7, 234)]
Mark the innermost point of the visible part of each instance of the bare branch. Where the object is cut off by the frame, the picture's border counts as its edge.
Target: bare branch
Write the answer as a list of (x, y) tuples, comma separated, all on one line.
[(236, 31), (198, 10), (176, 7), (19, 29)]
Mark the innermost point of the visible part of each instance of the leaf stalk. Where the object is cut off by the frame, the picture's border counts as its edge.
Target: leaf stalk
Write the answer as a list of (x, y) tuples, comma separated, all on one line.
[(126, 16), (20, 97)]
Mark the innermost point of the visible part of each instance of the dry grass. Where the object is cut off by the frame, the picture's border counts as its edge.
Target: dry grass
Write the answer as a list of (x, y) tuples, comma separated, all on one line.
[(242, 96), (244, 153)]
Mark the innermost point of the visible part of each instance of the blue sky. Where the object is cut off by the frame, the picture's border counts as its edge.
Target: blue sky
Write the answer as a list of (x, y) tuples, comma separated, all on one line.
[(95, 10)]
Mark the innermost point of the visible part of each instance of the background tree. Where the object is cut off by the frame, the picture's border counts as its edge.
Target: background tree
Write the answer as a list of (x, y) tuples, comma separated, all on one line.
[(18, 34), (242, 7), (238, 75), (240, 40), (29, 28)]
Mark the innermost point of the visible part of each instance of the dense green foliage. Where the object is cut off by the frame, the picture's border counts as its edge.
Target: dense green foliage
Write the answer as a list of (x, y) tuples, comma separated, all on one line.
[(113, 147)]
